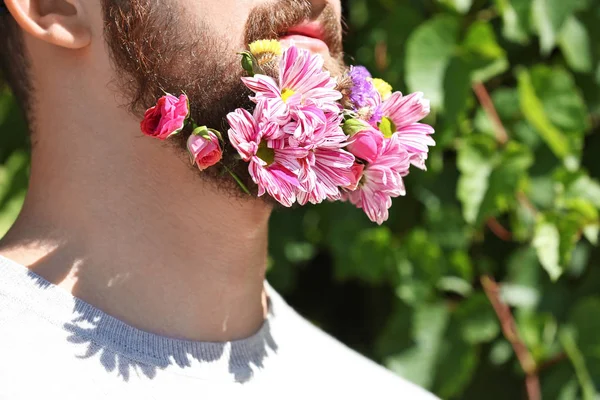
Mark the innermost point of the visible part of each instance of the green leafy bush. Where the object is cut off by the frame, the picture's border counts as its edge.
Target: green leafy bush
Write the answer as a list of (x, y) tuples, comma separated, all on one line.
[(511, 196)]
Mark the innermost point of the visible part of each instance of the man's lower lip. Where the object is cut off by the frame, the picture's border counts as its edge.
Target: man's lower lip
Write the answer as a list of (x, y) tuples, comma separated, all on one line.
[(306, 42)]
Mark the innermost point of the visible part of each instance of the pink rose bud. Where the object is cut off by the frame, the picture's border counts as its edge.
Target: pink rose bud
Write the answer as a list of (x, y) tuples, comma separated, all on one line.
[(366, 144), (356, 174), (166, 118), (204, 147)]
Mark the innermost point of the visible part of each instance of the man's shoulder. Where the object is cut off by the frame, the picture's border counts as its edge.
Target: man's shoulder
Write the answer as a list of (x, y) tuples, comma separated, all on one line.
[(325, 361)]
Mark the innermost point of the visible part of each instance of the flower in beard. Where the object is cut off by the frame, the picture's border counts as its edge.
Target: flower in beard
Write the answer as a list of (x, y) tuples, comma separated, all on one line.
[(400, 117), (363, 92), (273, 164), (364, 96), (381, 181), (364, 140), (166, 118), (302, 82), (392, 113), (327, 166), (204, 147), (306, 124)]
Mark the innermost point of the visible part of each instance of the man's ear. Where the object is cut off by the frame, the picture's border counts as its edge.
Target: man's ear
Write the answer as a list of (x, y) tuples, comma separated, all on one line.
[(59, 22)]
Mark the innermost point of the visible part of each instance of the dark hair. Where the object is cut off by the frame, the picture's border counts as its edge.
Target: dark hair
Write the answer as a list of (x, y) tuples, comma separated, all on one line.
[(13, 60)]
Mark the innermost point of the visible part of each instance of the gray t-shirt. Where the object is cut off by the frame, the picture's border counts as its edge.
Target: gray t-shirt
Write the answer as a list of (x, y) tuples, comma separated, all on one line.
[(55, 346)]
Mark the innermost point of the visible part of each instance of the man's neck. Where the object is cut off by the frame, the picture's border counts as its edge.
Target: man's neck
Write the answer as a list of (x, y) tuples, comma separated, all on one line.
[(123, 223)]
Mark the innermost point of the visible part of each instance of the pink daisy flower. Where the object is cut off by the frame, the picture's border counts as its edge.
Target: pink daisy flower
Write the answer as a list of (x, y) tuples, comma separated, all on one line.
[(327, 169), (400, 117), (327, 166), (273, 166), (382, 180), (302, 82)]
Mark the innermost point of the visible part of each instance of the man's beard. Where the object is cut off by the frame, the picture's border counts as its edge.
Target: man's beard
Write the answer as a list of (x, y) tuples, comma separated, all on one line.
[(156, 49)]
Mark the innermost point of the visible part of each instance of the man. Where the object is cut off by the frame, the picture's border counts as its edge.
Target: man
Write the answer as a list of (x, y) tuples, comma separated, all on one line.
[(128, 275)]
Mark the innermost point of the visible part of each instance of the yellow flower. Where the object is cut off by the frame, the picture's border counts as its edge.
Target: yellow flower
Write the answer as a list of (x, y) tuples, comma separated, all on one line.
[(261, 47), (384, 88)]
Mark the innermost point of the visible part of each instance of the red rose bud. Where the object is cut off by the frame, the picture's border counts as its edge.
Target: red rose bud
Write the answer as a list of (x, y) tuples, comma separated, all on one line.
[(204, 147), (166, 118)]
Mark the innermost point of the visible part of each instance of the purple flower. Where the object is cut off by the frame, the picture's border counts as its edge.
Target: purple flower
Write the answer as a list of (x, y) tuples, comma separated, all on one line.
[(363, 93)]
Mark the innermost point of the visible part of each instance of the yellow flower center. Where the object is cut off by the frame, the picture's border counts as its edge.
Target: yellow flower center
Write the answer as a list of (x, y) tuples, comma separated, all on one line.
[(266, 154), (286, 94), (384, 88), (261, 47)]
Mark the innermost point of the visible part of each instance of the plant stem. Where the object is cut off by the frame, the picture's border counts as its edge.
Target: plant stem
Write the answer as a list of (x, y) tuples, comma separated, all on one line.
[(509, 328), (488, 106), (501, 232), (237, 180)]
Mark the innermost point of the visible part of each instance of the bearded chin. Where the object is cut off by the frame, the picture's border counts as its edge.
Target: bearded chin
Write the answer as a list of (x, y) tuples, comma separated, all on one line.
[(195, 60)]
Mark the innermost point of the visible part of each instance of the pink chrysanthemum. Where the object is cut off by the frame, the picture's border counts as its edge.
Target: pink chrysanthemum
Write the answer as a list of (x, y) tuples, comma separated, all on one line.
[(402, 113), (302, 82), (382, 180), (273, 166), (328, 167)]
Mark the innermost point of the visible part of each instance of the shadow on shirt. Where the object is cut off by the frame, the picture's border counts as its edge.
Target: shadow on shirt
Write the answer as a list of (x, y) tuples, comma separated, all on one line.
[(126, 350)]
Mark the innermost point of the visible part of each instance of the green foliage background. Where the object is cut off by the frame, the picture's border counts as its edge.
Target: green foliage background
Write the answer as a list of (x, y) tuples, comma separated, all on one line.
[(521, 207)]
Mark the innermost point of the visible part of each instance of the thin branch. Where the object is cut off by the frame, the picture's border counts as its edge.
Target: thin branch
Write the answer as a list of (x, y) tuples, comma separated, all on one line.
[(525, 202), (501, 232), (557, 359), (488, 106), (509, 328), (381, 55)]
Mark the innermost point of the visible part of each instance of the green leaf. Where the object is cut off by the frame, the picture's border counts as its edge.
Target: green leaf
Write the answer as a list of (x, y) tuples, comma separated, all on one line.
[(575, 45), (453, 284), (477, 320), (475, 163), (520, 295), (523, 268), (13, 186), (587, 328), (567, 339), (418, 363), (372, 247), (501, 352), (534, 112), (462, 6), (549, 16), (458, 362), (484, 57), (396, 335), (561, 99), (586, 188), (515, 17), (509, 169), (297, 252), (547, 241), (506, 102), (428, 53), (457, 87), (591, 233), (489, 179), (420, 266), (484, 71), (481, 39)]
